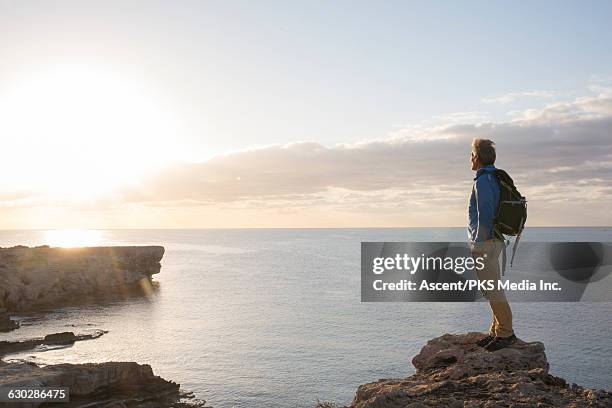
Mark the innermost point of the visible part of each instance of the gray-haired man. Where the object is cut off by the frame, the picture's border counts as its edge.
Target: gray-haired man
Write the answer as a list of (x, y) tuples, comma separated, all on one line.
[(484, 202)]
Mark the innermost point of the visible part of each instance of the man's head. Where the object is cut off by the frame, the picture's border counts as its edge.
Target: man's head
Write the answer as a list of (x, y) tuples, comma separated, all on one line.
[(483, 153)]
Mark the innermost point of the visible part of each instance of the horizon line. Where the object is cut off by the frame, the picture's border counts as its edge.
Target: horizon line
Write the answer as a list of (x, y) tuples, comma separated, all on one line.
[(277, 228)]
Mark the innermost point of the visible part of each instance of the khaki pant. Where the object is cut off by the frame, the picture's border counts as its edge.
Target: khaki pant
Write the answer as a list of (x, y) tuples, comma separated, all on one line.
[(502, 315)]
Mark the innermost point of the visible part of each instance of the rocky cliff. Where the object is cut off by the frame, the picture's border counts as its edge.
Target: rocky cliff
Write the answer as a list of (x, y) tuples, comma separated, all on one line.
[(40, 277), (108, 385), (451, 371)]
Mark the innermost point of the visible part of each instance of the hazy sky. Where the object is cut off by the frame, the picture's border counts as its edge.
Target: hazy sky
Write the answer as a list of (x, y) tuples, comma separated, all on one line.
[(264, 113)]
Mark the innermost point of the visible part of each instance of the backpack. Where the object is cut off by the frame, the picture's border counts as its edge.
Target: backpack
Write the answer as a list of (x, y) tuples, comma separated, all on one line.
[(511, 213)]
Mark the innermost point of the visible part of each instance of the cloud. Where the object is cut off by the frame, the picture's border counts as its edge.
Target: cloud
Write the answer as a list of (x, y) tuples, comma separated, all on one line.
[(463, 117), (583, 108), (513, 96), (560, 152), (560, 157), (601, 85)]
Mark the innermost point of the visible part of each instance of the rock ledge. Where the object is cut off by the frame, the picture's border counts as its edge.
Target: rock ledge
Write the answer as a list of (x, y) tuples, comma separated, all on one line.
[(451, 371), (107, 385)]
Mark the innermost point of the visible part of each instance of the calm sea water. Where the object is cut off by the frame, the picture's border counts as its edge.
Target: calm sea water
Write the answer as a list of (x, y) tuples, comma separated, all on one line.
[(273, 318)]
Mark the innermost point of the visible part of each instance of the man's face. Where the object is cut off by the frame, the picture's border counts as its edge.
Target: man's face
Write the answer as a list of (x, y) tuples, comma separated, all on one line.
[(474, 161)]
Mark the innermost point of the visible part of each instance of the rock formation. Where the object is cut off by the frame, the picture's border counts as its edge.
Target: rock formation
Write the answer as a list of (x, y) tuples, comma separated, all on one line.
[(112, 384), (451, 371), (54, 339), (42, 277)]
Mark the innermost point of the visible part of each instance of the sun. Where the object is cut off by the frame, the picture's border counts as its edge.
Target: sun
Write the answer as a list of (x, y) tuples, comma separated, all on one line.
[(76, 131), (72, 238)]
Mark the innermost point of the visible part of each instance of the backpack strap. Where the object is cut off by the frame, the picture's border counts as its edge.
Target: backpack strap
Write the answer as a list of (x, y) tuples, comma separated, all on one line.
[(478, 174), (496, 233), (516, 241), (504, 243)]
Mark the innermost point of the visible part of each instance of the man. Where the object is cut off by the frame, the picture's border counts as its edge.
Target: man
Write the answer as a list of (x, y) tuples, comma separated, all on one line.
[(484, 201)]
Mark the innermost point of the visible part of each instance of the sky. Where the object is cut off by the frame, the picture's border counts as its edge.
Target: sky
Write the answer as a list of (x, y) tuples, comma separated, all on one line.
[(183, 114)]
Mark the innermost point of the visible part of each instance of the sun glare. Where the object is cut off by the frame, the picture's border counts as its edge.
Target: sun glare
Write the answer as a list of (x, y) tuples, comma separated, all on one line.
[(72, 238), (75, 132)]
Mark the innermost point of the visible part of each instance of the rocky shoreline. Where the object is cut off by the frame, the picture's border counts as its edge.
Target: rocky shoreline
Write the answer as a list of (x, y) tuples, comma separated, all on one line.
[(43, 278), (103, 385), (451, 371)]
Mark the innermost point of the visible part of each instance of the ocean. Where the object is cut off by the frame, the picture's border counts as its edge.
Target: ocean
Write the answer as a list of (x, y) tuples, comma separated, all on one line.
[(273, 318)]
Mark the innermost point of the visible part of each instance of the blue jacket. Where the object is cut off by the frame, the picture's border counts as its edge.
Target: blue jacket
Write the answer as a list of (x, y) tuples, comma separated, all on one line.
[(484, 201)]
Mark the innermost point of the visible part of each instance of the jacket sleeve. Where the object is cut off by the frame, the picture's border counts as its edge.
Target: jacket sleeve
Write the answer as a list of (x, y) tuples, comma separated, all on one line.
[(485, 206)]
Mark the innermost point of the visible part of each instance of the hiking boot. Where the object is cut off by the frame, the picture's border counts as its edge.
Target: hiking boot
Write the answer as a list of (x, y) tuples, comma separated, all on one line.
[(499, 343), (485, 340)]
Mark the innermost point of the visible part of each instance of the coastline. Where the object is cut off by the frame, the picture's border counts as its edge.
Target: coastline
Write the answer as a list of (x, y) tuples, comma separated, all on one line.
[(382, 393), (32, 279)]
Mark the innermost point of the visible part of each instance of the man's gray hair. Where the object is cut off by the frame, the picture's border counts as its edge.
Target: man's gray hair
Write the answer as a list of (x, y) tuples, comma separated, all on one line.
[(485, 149)]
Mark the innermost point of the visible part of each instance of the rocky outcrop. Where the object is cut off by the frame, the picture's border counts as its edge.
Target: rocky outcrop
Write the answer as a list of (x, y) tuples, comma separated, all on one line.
[(112, 384), (42, 277), (55, 339), (451, 371)]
